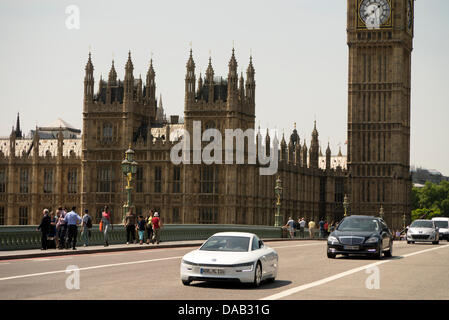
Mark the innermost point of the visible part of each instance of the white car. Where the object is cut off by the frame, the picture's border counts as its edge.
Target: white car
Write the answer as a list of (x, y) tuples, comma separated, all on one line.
[(230, 256), (443, 227), (423, 231)]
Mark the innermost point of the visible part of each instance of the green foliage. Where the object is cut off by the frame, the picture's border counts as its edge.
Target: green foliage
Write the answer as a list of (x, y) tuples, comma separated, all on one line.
[(431, 201)]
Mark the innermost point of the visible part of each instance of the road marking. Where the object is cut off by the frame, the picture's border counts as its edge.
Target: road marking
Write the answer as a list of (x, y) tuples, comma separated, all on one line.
[(294, 290), (87, 268), (299, 245)]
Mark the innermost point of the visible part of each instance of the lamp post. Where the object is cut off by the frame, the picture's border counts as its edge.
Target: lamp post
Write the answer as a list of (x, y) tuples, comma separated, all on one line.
[(129, 167), (278, 193), (346, 204), (381, 212), (403, 221)]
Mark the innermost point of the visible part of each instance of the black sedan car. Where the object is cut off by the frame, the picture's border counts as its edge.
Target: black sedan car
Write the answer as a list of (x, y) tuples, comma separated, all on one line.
[(364, 235)]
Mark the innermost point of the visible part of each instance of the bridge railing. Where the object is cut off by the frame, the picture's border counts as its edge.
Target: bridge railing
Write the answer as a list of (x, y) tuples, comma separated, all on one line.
[(27, 237)]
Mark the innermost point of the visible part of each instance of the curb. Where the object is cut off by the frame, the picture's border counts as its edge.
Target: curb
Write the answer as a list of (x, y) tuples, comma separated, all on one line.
[(67, 252)]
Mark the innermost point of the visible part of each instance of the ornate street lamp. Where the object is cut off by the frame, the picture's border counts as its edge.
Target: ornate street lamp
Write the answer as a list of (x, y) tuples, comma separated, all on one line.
[(278, 193), (346, 204), (129, 167), (381, 212)]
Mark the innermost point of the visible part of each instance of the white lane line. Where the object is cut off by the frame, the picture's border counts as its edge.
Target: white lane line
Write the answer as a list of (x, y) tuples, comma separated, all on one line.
[(87, 268), (300, 245), (291, 291), (4, 263)]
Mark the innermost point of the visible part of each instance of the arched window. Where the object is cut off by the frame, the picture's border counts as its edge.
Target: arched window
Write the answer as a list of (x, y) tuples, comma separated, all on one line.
[(107, 133)]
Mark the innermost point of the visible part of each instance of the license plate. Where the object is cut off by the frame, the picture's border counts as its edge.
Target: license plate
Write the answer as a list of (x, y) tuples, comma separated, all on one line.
[(351, 247), (211, 271)]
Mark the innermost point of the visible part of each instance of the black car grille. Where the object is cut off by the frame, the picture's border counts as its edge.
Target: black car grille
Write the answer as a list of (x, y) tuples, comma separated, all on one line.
[(420, 236), (352, 240)]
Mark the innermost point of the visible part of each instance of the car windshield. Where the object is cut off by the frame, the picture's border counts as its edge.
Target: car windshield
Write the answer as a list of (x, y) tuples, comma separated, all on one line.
[(441, 224), (422, 224), (354, 224), (226, 243)]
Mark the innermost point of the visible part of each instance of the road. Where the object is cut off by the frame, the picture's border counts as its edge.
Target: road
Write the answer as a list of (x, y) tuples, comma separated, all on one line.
[(417, 271)]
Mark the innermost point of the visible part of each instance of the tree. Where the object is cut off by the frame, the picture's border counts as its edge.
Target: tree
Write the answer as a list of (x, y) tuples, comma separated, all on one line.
[(430, 201)]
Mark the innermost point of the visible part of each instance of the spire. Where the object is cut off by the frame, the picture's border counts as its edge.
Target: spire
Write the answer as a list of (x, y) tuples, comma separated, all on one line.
[(210, 72), (304, 155), (339, 152), (150, 86), (112, 79), (294, 137), (314, 148), (328, 157), (241, 87), (129, 80), (250, 82), (232, 81), (160, 115), (89, 81), (190, 79), (200, 85), (18, 132)]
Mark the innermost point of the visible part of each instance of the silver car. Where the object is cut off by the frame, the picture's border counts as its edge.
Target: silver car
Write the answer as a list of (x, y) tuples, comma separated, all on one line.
[(423, 231)]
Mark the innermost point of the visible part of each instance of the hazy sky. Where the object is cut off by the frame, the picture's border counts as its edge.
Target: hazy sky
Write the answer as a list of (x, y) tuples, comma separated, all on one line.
[(299, 54)]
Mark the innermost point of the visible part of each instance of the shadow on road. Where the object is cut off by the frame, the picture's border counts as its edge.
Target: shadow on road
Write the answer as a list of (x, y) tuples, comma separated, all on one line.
[(243, 286), (360, 257)]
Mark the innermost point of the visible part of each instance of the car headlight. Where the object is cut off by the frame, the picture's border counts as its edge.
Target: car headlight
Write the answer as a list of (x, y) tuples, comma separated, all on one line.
[(187, 262), (332, 239), (244, 267), (372, 240)]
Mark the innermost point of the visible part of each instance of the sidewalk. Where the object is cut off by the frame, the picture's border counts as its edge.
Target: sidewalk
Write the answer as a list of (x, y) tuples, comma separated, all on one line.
[(37, 253)]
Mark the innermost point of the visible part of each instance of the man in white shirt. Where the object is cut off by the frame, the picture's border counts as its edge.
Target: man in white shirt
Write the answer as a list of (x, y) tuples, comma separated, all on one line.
[(291, 226), (302, 225)]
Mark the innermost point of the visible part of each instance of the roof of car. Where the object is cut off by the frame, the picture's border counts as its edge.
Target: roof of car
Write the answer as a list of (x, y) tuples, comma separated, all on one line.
[(234, 234), (360, 216), (440, 218)]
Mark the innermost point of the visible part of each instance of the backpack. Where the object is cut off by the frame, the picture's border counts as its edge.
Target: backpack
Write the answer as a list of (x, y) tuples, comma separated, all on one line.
[(89, 222)]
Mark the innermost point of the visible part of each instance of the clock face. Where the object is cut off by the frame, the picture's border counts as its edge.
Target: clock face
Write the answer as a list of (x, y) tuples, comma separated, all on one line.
[(374, 13)]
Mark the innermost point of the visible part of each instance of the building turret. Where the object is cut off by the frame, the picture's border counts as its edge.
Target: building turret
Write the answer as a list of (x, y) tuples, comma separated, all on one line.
[(18, 132), (190, 79), (210, 80), (314, 148), (232, 80), (112, 82), (128, 82), (328, 157), (298, 154), (12, 144), (267, 143), (294, 137), (200, 86), (283, 156), (139, 95), (89, 81), (291, 152), (250, 82), (241, 88), (304, 155)]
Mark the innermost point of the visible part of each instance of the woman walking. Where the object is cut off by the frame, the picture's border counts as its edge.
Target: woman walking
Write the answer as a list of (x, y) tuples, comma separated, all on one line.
[(141, 224), (149, 227), (106, 220)]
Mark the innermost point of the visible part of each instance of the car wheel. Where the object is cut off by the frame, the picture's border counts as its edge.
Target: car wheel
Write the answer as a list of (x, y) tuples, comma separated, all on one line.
[(378, 254), (331, 255), (186, 282), (408, 242), (257, 275), (436, 242), (270, 280), (389, 253)]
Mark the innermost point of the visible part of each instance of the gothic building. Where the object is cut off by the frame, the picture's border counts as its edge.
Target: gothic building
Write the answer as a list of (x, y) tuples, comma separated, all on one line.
[(86, 172)]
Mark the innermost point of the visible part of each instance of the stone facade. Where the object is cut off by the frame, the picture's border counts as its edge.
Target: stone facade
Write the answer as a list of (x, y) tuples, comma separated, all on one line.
[(124, 113), (379, 112)]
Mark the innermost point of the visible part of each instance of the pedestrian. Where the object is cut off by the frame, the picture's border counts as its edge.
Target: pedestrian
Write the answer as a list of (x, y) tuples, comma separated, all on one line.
[(86, 227), (62, 228), (311, 228), (150, 227), (141, 223), (44, 227), (157, 225), (130, 226), (326, 228), (290, 226), (302, 225), (321, 226), (51, 243), (106, 221), (73, 220), (332, 227)]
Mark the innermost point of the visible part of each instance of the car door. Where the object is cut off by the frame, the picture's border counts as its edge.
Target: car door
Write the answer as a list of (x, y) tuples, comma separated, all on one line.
[(385, 235), (261, 253)]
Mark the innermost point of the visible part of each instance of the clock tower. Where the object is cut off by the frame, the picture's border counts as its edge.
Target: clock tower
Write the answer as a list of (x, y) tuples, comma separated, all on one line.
[(380, 41)]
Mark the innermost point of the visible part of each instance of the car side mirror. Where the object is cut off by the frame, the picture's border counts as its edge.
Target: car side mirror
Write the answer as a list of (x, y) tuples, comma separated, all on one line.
[(261, 244)]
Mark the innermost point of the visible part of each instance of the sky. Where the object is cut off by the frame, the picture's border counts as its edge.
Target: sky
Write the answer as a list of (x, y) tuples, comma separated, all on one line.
[(298, 47)]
